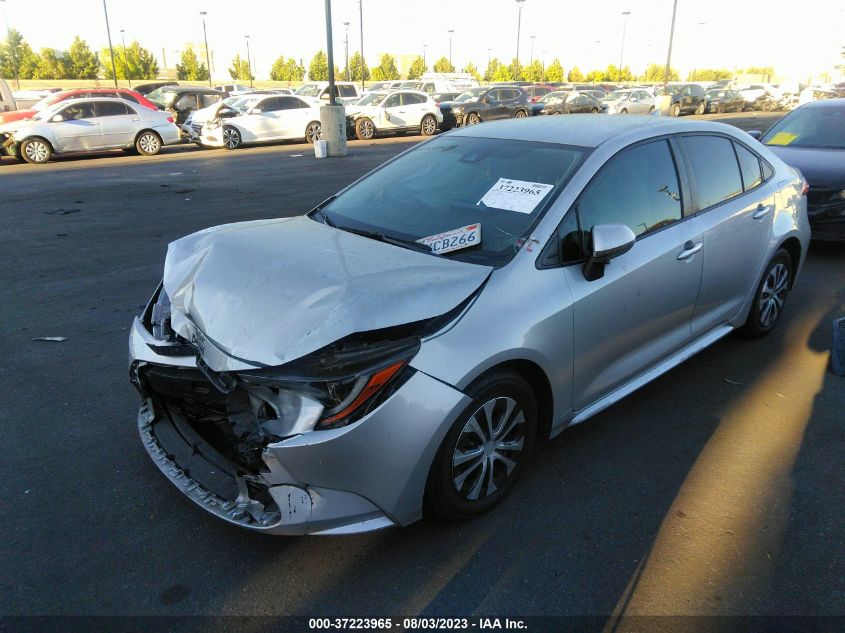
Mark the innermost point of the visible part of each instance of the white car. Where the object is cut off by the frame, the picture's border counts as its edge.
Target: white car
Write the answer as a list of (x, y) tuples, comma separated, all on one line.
[(192, 127), (260, 119), (630, 101), (234, 89), (396, 111), (88, 125), (317, 92)]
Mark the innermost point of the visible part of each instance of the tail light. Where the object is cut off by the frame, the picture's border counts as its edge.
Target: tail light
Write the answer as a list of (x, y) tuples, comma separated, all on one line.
[(170, 119)]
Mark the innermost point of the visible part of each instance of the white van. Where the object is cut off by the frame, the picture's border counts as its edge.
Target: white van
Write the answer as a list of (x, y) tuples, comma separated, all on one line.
[(436, 83), (317, 91)]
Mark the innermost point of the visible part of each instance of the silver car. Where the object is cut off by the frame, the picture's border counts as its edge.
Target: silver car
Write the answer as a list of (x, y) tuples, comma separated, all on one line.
[(407, 343)]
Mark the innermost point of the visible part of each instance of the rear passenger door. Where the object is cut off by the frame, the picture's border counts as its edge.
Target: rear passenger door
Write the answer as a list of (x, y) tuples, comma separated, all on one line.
[(415, 108), (394, 112), (118, 123), (735, 209)]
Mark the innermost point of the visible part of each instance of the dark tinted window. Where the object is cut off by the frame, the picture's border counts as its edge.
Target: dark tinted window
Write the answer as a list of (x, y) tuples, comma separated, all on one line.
[(411, 99), (392, 101), (715, 169), (347, 91), (767, 171), (287, 103), (638, 187), (112, 108), (749, 165), (78, 111)]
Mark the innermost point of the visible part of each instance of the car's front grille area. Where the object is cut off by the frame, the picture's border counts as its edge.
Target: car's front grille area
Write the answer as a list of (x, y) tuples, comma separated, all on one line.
[(196, 128)]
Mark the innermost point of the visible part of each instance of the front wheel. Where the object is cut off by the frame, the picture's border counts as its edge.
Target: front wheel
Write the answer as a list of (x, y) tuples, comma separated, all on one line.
[(428, 125), (148, 143), (675, 110), (36, 151), (700, 108), (623, 111), (313, 132), (770, 296), (231, 137), (520, 114), (594, 111), (485, 450), (364, 129)]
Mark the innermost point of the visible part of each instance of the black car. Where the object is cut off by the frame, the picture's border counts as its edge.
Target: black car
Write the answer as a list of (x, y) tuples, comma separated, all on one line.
[(686, 99), (812, 139), (440, 97), (485, 104), (568, 102), (146, 89), (723, 101), (182, 100)]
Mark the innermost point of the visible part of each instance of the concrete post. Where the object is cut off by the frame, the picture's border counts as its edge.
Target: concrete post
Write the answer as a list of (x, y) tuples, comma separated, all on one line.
[(333, 122)]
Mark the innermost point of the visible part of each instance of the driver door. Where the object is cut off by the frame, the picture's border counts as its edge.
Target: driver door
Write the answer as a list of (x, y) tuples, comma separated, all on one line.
[(393, 113), (79, 130)]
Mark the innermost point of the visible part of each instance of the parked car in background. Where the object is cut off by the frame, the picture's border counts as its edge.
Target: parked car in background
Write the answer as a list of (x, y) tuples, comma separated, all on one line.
[(81, 93), (567, 102), (318, 91), (594, 93), (405, 345), (722, 100), (440, 97), (86, 125), (262, 119), (433, 83), (628, 101), (811, 138), (147, 88), (685, 98), (410, 85), (180, 100), (233, 89), (195, 121), (486, 103), (536, 91), (397, 111)]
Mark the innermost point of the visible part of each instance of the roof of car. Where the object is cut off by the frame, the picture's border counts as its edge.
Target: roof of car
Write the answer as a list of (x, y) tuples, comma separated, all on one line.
[(833, 104), (586, 130), (183, 88)]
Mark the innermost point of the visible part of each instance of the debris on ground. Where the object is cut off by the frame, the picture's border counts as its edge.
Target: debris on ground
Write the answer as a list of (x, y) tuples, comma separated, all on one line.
[(732, 382), (52, 339), (62, 211)]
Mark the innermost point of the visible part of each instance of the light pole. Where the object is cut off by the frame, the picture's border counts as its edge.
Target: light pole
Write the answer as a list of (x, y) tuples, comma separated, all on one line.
[(450, 46), (489, 50), (518, 28), (125, 57), (543, 65), (361, 20), (625, 15), (205, 38), (346, 48), (248, 62), (11, 47), (532, 49), (695, 70), (671, 37), (332, 115), (111, 49), (425, 46)]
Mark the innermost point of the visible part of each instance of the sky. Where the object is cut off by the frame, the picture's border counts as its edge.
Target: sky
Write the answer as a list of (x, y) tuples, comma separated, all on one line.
[(795, 38)]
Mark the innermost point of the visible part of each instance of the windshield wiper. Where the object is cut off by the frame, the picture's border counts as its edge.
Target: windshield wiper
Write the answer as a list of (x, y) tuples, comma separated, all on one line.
[(319, 212), (388, 239)]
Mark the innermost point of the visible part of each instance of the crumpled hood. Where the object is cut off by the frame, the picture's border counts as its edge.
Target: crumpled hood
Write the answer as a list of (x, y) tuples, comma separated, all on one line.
[(271, 291), (208, 113)]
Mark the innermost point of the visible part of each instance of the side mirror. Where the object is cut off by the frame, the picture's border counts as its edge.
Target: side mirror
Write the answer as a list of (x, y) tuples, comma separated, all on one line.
[(755, 134), (57, 119), (607, 241)]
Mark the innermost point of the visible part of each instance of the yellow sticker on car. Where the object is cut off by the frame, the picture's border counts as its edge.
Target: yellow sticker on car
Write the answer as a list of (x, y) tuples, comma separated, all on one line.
[(782, 138)]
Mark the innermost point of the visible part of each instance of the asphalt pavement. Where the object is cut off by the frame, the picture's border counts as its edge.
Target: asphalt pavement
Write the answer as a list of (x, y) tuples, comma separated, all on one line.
[(715, 490)]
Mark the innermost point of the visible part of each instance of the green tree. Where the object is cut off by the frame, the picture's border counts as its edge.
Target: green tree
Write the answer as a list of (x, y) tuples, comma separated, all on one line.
[(16, 53), (386, 70), (287, 70), (534, 71), (51, 64), (709, 74), (517, 71), (554, 71), (654, 73), (418, 68), (760, 70), (575, 75), (356, 64), (492, 67), (502, 73), (189, 68), (595, 76), (240, 70), (443, 65), (470, 69), (318, 69), (131, 62), (82, 63)]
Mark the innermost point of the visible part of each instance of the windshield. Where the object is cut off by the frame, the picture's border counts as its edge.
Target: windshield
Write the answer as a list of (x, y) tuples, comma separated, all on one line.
[(617, 95), (713, 94), (453, 182), (821, 128), (669, 90), (410, 84), (309, 90), (471, 95), (162, 97), (552, 98), (371, 98)]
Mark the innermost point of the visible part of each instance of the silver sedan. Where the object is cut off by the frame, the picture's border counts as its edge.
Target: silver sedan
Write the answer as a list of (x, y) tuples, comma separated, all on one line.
[(403, 347)]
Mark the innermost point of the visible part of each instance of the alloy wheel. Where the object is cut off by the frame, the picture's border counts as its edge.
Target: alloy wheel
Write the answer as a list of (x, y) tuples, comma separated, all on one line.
[(367, 129), (520, 115), (488, 448), (429, 125), (37, 151), (314, 132), (231, 138), (773, 294), (149, 144)]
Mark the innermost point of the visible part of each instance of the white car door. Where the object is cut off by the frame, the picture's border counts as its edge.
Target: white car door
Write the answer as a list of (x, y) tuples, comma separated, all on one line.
[(292, 115), (118, 123), (393, 112), (79, 128), (259, 122), (415, 108)]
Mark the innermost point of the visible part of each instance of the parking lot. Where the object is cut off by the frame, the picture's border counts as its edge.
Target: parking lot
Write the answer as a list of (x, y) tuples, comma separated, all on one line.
[(715, 490)]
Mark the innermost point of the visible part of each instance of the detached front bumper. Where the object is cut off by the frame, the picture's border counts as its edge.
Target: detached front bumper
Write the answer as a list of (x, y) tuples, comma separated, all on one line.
[(362, 477)]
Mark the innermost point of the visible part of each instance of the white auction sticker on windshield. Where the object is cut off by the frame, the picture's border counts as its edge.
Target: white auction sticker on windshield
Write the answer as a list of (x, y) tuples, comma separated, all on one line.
[(515, 195), (454, 240)]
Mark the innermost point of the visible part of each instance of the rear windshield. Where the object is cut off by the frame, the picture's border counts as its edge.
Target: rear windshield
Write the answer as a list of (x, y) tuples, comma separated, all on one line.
[(453, 182)]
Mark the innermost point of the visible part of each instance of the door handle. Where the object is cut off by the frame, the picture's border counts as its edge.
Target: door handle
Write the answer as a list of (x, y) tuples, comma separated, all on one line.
[(135, 119), (690, 249), (762, 211)]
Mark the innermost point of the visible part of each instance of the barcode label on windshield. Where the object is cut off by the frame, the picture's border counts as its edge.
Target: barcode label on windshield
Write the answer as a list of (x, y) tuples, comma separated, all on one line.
[(515, 195)]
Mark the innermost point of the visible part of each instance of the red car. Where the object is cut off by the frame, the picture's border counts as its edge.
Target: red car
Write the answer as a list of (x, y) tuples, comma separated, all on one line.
[(538, 91), (123, 93)]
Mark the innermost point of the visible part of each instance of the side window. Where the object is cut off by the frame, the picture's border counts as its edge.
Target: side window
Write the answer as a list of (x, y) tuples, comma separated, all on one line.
[(638, 187), (347, 91), (186, 102), (767, 171), (111, 108), (78, 112), (269, 105), (129, 97), (392, 101), (300, 103), (714, 167), (749, 165), (411, 99), (209, 99), (288, 103)]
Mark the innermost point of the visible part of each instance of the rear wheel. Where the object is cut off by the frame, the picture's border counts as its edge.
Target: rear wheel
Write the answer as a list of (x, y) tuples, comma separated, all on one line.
[(651, 109), (675, 110), (700, 108), (770, 296), (36, 151), (231, 137), (594, 111), (148, 143), (520, 114), (428, 125), (623, 111), (313, 132), (473, 119), (364, 129), (486, 448)]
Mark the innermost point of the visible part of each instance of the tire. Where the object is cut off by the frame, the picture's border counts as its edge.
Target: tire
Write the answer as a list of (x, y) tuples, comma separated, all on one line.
[(651, 110), (770, 296), (520, 114), (459, 491), (428, 125), (720, 109), (675, 110), (231, 137), (148, 143), (472, 119), (594, 111), (623, 111), (36, 151), (365, 130), (699, 109), (313, 132)]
